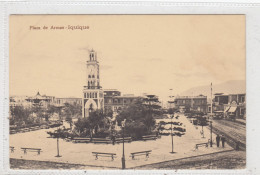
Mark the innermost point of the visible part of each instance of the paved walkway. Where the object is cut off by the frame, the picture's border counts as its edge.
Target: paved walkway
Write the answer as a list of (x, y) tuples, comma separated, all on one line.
[(80, 153)]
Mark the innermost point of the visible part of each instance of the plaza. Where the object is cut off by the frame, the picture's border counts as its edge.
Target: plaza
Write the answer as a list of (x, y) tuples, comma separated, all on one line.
[(81, 153)]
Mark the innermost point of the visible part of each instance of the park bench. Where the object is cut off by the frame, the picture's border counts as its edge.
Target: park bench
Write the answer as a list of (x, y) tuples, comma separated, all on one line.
[(33, 128), (146, 153), (12, 149), (96, 154), (201, 144), (126, 139), (38, 150), (100, 140), (68, 139), (12, 131), (44, 127), (149, 137), (80, 140), (23, 130)]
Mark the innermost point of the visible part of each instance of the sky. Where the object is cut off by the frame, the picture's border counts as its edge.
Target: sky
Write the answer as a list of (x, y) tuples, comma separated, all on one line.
[(137, 53)]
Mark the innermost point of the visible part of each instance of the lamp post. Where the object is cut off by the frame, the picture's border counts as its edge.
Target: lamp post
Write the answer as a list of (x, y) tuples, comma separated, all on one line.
[(171, 133), (172, 115), (58, 151), (202, 131), (211, 134), (123, 155)]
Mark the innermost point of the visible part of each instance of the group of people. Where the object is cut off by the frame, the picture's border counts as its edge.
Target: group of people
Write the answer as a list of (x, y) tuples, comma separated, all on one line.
[(222, 139)]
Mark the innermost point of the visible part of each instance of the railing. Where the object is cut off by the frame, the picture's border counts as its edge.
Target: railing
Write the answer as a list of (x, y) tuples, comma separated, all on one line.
[(92, 87)]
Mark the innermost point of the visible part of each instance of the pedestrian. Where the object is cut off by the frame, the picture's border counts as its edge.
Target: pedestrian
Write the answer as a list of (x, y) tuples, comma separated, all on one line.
[(217, 140), (113, 139), (223, 139)]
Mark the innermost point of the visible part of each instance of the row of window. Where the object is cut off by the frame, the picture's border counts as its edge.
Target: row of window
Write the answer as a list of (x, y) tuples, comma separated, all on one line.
[(92, 83), (93, 76), (90, 95), (189, 102), (118, 101)]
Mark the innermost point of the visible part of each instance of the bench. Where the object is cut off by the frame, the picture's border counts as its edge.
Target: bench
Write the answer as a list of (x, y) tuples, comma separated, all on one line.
[(149, 137), (98, 140), (96, 154), (146, 153), (33, 128), (38, 150), (79, 140), (126, 139), (12, 149), (12, 131), (201, 144)]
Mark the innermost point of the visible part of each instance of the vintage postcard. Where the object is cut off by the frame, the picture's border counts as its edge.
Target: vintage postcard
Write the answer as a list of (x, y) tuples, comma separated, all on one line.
[(135, 92)]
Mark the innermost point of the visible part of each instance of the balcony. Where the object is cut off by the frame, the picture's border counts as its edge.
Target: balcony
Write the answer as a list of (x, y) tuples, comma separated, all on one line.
[(92, 87)]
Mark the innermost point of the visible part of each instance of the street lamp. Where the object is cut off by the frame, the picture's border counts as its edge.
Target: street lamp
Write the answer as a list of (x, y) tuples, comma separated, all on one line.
[(211, 134), (58, 151), (171, 133), (172, 115), (123, 156)]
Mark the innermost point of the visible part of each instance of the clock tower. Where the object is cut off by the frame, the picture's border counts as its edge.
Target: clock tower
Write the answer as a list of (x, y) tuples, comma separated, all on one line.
[(93, 97)]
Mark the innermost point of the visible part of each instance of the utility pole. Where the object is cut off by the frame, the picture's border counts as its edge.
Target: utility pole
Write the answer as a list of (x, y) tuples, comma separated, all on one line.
[(211, 112), (211, 134), (123, 155)]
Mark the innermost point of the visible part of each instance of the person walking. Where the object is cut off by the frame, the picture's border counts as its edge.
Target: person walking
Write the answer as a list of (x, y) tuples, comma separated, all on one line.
[(223, 139), (217, 140)]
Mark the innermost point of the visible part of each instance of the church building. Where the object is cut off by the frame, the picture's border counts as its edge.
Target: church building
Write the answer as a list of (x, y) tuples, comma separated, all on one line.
[(93, 97)]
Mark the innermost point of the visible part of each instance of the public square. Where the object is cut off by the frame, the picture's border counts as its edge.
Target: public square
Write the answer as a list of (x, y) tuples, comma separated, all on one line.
[(81, 153)]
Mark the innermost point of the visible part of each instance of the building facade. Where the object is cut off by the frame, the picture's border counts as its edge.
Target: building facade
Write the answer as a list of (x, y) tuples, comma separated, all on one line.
[(70, 100), (191, 103), (115, 102), (93, 97), (231, 105)]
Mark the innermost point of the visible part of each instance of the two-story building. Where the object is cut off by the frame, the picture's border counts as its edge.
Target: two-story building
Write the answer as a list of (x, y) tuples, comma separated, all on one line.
[(191, 103), (114, 101), (230, 105)]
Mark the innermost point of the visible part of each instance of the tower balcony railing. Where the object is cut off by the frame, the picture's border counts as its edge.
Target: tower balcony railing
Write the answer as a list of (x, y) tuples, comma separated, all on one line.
[(92, 87)]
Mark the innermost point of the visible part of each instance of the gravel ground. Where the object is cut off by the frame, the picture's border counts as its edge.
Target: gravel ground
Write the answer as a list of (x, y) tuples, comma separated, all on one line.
[(224, 160), (43, 165)]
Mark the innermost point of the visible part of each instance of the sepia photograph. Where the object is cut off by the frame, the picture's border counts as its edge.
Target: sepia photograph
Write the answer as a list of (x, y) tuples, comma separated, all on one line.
[(133, 92)]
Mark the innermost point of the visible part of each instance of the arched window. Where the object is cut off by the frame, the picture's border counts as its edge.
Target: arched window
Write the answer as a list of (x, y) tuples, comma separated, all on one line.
[(89, 76), (95, 95), (87, 95), (93, 76)]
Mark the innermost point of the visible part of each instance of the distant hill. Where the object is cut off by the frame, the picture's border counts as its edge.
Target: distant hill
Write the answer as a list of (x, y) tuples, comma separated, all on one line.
[(229, 87)]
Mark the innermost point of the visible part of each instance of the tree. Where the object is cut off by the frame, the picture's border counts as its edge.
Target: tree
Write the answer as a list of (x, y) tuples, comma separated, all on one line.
[(51, 109), (92, 124), (71, 111), (20, 115), (140, 116)]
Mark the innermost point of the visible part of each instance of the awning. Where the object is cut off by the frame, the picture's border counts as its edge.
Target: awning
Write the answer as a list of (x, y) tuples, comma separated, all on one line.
[(227, 109), (232, 109)]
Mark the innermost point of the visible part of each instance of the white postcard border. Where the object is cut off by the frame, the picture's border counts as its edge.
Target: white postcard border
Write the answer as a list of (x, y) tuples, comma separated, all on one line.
[(251, 10)]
